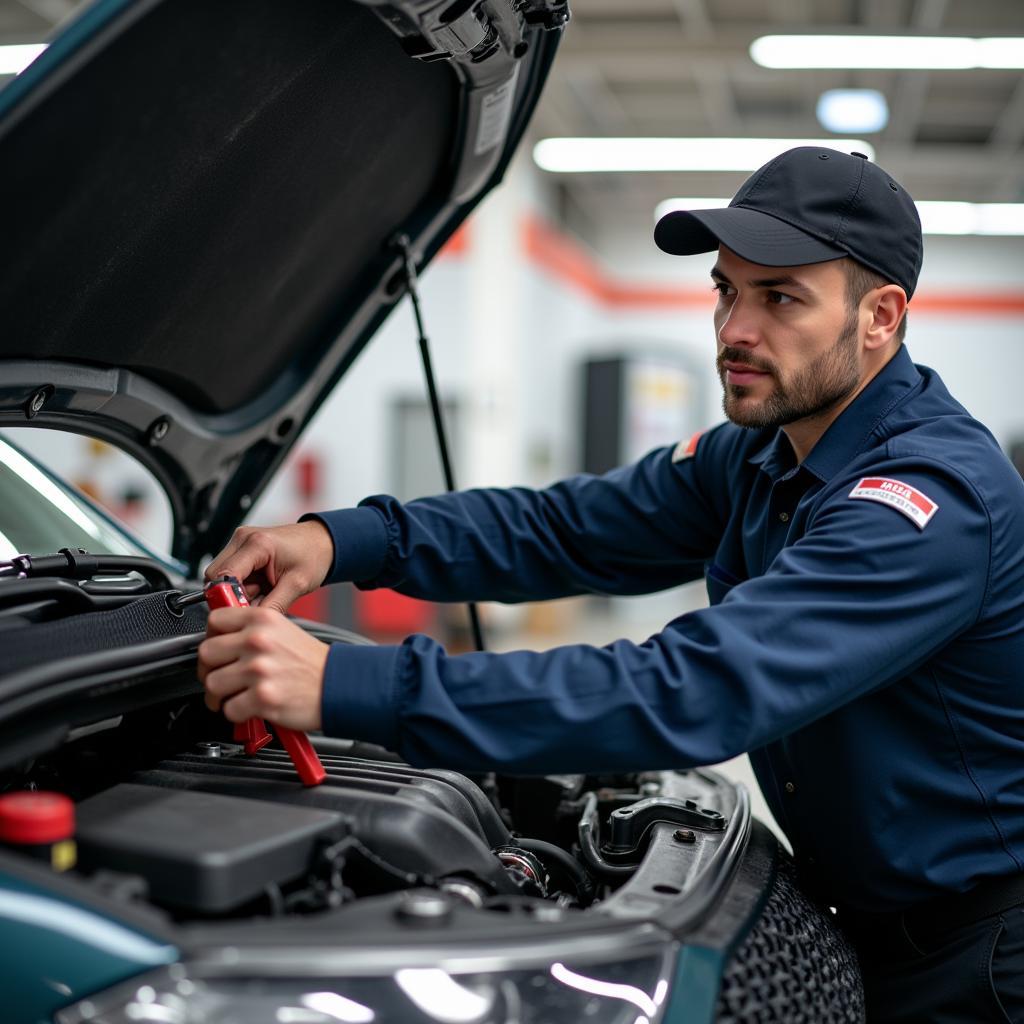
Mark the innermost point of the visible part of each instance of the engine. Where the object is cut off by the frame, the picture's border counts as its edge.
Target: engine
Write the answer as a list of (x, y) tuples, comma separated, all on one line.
[(214, 831), (204, 831)]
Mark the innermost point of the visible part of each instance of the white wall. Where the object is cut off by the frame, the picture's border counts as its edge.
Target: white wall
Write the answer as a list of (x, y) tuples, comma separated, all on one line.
[(980, 355), (509, 336)]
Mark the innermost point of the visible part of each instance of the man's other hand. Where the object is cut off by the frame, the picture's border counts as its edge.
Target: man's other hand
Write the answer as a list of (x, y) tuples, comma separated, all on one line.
[(276, 564), (255, 663)]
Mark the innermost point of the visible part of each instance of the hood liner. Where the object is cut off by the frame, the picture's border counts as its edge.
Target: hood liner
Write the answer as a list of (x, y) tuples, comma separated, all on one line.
[(200, 199)]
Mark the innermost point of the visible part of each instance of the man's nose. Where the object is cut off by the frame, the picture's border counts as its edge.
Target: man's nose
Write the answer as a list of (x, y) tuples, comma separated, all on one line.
[(741, 328)]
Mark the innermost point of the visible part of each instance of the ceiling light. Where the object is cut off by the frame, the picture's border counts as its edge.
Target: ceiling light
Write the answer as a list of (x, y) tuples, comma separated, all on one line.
[(852, 110), (574, 155), (14, 59), (937, 218), (670, 205), (903, 52), (945, 218)]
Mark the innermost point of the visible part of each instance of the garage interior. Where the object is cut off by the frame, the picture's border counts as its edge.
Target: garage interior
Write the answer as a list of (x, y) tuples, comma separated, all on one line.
[(555, 286)]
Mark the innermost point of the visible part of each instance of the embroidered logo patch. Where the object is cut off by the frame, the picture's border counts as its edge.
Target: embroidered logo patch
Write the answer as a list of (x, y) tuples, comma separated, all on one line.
[(686, 449), (906, 499)]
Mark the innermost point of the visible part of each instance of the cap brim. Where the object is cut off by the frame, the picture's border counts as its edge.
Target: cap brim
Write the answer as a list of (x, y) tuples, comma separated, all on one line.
[(751, 234)]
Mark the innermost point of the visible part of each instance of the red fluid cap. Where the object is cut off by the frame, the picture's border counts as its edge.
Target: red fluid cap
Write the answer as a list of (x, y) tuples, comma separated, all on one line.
[(31, 818)]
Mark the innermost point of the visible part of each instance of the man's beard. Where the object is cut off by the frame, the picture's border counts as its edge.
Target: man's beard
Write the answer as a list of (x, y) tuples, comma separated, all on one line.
[(818, 387)]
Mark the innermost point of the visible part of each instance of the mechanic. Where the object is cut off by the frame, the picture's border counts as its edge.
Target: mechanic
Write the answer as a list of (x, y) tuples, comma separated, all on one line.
[(862, 539)]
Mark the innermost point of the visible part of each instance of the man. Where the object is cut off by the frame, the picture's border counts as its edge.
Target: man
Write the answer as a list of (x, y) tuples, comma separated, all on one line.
[(863, 545)]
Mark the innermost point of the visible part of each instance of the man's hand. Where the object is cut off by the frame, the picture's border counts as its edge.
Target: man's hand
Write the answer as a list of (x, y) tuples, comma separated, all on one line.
[(276, 564), (255, 663)]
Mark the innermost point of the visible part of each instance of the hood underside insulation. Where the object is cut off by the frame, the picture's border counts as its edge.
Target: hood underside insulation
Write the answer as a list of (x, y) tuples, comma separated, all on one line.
[(203, 200)]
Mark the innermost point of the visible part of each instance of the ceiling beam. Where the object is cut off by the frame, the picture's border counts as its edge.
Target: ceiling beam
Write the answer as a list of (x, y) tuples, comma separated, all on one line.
[(695, 20), (1008, 131), (881, 14), (53, 11), (792, 12), (719, 101), (1004, 146), (911, 92), (600, 106)]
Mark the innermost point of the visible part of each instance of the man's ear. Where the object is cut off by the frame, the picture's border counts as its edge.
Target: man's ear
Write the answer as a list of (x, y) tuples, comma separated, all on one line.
[(886, 306)]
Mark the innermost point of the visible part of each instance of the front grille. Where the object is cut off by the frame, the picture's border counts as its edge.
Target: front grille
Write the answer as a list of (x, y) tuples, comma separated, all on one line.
[(794, 966)]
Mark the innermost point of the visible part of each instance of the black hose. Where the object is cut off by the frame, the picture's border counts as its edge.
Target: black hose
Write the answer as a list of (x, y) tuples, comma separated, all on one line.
[(75, 564), (22, 592), (568, 863), (588, 828)]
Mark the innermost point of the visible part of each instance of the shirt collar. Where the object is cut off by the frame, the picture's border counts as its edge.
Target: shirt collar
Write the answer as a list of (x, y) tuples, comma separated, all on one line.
[(850, 432)]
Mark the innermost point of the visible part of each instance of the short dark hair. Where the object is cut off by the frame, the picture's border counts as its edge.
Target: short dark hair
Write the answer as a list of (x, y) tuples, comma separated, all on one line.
[(859, 281)]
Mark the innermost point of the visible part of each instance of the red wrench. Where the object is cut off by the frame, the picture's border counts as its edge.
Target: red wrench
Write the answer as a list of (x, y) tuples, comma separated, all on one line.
[(227, 592)]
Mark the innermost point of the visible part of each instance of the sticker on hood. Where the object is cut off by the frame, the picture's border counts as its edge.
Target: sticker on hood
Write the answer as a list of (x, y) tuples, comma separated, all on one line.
[(917, 507)]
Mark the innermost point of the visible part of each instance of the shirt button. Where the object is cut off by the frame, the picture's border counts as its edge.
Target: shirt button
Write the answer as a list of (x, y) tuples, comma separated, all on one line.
[(790, 787), (784, 517)]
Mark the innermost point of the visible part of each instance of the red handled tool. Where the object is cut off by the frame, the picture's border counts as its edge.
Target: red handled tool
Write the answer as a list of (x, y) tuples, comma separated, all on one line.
[(227, 592)]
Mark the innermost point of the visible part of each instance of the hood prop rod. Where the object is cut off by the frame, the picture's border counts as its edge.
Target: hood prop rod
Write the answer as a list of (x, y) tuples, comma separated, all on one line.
[(401, 242)]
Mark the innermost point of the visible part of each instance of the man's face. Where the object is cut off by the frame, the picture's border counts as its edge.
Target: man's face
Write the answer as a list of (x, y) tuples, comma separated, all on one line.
[(788, 347)]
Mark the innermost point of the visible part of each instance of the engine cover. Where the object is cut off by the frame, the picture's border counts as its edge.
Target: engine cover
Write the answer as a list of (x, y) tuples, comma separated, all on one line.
[(421, 825), (199, 851)]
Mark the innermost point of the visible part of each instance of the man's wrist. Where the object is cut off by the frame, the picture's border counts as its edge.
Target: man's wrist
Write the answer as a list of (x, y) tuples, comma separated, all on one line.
[(321, 546)]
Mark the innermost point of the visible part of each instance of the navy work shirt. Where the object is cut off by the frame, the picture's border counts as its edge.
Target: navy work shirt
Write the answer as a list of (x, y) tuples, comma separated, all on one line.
[(864, 641)]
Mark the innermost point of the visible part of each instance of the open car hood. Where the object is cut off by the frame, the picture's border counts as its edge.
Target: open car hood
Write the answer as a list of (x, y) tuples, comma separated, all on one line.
[(202, 201)]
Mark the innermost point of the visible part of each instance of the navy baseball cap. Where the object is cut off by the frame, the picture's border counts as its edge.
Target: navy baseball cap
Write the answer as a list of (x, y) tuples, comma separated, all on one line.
[(809, 205)]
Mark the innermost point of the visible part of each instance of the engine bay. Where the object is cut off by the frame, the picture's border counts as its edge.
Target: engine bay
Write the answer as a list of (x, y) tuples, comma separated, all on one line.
[(171, 813)]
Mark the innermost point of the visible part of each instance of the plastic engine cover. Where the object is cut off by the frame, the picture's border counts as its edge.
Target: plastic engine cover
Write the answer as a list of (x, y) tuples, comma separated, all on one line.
[(425, 823), (199, 851)]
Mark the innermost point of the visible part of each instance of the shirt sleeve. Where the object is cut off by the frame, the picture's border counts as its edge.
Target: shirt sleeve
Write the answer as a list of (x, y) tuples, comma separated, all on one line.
[(635, 530), (864, 597)]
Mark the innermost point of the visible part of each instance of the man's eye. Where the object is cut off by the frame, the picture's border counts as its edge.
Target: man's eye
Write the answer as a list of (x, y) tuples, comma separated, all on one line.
[(780, 298), (721, 287)]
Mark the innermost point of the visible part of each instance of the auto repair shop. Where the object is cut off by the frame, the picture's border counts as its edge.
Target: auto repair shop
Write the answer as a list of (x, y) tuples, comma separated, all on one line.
[(700, 707)]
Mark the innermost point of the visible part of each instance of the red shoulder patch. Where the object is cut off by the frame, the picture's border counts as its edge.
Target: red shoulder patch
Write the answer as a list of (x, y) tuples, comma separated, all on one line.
[(917, 507), (687, 449)]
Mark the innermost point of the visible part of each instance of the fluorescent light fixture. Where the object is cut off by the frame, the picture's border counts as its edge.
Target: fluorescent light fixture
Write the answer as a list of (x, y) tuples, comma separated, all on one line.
[(852, 110), (943, 218), (14, 59), (683, 203), (581, 155), (904, 52), (937, 218)]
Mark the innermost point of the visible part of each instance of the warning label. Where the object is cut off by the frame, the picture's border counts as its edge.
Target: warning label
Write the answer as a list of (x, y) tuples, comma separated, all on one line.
[(495, 113)]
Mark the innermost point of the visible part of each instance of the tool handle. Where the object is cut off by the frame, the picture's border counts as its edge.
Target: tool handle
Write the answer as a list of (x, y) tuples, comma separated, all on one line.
[(228, 593), (252, 734), (303, 756)]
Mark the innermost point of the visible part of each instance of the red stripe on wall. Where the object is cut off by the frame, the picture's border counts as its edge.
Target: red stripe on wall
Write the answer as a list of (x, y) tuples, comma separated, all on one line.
[(569, 262), (458, 244), (989, 303)]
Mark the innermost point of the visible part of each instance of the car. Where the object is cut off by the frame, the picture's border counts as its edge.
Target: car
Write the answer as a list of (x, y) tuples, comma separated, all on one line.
[(210, 209)]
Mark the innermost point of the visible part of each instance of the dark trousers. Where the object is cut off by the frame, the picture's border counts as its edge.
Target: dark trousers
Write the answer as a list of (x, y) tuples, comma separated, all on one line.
[(966, 974)]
